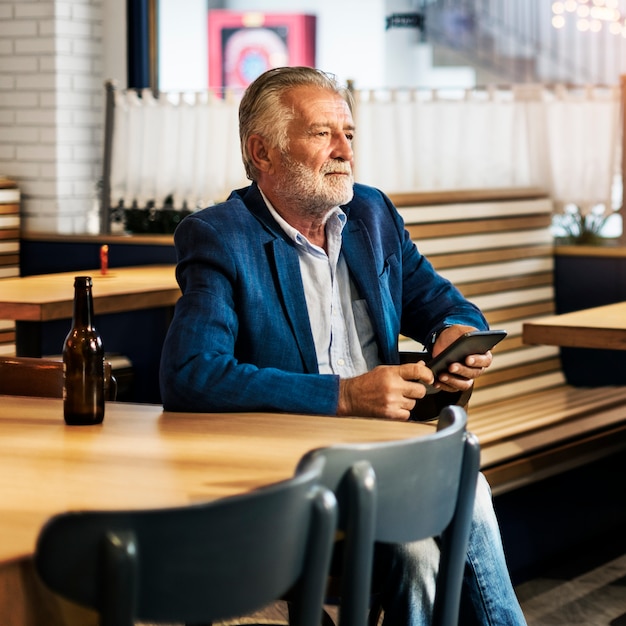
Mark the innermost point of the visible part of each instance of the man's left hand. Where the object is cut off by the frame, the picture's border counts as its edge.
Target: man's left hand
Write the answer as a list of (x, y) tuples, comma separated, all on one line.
[(460, 376)]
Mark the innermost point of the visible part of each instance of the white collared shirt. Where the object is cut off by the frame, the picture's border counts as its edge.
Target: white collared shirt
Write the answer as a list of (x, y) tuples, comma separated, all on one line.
[(340, 322)]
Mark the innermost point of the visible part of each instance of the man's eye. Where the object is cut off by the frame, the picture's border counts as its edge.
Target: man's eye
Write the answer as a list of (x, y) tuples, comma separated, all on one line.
[(349, 136)]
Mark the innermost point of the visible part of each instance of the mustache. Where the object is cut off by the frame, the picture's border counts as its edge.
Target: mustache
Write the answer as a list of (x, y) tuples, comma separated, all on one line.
[(336, 167)]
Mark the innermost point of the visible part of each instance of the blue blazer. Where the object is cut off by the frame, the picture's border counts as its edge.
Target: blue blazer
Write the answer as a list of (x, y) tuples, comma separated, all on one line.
[(240, 338)]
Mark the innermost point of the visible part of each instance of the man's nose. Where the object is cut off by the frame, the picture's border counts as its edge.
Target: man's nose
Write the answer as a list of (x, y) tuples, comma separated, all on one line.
[(342, 148)]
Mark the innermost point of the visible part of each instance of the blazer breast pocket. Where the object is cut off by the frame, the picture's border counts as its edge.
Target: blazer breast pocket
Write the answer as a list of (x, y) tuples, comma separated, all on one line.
[(390, 264)]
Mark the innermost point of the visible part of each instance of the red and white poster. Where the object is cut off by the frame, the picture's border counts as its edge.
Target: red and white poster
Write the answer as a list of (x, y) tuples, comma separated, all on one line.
[(243, 45)]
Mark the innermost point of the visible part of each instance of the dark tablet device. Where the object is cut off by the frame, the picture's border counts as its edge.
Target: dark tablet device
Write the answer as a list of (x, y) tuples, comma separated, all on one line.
[(474, 342)]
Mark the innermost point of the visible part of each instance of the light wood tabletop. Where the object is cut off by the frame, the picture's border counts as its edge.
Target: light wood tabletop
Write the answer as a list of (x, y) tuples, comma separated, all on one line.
[(602, 327), (142, 457), (47, 297), (139, 457)]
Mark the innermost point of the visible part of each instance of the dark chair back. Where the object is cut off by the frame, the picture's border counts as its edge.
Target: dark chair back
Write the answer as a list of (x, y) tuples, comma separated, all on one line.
[(198, 563), (400, 492), (43, 378)]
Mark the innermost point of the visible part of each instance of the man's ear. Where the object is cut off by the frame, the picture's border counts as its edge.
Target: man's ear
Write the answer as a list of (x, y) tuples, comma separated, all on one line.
[(260, 153)]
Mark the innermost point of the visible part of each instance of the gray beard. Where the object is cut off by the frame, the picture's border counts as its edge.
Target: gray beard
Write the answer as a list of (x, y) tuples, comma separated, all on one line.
[(314, 196)]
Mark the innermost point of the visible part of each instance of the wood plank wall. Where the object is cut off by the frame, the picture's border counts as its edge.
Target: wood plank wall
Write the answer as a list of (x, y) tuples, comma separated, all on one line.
[(496, 246), (9, 252)]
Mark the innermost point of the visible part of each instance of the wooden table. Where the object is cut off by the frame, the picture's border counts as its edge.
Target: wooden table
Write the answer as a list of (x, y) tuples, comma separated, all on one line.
[(133, 308), (50, 296), (139, 457), (602, 327)]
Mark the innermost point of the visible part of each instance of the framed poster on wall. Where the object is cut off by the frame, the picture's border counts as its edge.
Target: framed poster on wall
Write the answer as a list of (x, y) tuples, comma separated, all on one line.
[(243, 45)]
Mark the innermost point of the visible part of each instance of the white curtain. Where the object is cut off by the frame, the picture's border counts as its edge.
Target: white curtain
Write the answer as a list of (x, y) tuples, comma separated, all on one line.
[(182, 148), (563, 140), (583, 141)]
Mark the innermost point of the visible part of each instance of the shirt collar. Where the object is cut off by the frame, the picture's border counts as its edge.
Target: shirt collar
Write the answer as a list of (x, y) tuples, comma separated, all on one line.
[(336, 215)]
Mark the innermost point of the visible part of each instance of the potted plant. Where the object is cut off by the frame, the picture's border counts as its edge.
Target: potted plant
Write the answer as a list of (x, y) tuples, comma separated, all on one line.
[(578, 226)]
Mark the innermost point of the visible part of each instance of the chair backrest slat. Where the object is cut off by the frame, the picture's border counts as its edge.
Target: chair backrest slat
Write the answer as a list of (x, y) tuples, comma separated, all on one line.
[(199, 563), (400, 492)]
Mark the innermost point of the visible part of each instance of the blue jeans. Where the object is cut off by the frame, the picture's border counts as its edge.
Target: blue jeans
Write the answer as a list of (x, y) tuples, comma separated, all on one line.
[(409, 572)]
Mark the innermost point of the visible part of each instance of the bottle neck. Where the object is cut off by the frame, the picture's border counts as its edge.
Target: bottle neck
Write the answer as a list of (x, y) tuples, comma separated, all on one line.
[(83, 302)]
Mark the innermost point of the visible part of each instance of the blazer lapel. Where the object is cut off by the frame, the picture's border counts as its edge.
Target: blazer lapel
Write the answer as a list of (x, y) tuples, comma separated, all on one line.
[(282, 254), (292, 291)]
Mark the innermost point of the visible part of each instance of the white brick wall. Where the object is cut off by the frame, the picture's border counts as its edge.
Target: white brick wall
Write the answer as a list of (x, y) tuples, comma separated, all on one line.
[(51, 110)]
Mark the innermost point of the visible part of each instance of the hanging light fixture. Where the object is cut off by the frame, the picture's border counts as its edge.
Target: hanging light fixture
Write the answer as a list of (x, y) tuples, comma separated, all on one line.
[(590, 15)]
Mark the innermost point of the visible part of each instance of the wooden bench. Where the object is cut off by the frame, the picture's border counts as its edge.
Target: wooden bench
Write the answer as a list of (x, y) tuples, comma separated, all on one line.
[(497, 247), (9, 252)]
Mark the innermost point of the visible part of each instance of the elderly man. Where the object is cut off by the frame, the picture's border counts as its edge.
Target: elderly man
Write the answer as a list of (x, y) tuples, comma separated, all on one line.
[(294, 293)]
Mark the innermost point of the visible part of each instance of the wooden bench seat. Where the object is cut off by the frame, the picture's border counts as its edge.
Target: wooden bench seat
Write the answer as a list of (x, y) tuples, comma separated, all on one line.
[(497, 247)]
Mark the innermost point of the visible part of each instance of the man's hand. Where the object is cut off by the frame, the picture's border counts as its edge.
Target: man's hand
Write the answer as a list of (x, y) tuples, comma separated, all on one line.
[(388, 391), (460, 376)]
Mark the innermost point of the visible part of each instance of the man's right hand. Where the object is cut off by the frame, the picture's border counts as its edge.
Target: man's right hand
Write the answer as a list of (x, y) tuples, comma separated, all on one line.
[(388, 391)]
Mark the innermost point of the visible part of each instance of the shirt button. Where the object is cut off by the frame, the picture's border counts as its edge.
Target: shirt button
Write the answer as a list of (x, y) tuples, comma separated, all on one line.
[(341, 362)]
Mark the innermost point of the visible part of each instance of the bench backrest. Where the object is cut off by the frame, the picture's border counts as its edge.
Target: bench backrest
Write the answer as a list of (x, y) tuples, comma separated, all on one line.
[(9, 252), (42, 377), (497, 248)]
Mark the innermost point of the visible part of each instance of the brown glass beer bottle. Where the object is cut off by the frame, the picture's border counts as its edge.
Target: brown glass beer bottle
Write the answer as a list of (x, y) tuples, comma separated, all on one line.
[(83, 362)]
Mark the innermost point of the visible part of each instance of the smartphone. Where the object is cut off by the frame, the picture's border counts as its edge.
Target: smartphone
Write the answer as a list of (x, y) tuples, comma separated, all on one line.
[(473, 342)]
